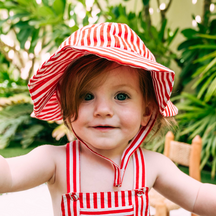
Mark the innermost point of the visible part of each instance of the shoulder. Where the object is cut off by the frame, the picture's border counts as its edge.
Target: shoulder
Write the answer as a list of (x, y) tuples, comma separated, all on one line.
[(47, 155), (156, 165), (48, 151), (155, 157)]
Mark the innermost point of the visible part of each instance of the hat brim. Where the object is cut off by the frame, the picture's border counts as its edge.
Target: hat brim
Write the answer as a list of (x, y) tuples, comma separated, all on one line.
[(43, 85)]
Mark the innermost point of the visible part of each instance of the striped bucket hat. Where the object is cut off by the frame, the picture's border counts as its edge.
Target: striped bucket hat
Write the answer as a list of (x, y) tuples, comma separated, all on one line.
[(113, 41)]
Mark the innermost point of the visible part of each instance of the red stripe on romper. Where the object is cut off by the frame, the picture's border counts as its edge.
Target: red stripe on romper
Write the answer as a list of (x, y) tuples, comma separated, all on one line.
[(108, 212), (102, 199), (74, 168), (137, 170), (88, 200), (81, 200), (147, 202), (68, 176), (68, 167), (136, 204), (75, 161), (62, 207), (116, 199), (143, 168), (142, 204), (95, 200), (123, 198), (109, 199), (129, 197)]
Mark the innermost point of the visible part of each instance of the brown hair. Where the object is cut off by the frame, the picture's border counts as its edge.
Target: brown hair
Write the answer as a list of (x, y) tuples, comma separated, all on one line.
[(82, 72)]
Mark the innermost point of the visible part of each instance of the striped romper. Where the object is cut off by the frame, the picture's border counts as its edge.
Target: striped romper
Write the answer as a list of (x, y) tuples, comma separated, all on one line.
[(119, 203)]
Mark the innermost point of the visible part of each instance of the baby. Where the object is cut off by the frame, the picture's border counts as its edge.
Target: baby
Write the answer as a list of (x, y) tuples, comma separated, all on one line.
[(110, 92)]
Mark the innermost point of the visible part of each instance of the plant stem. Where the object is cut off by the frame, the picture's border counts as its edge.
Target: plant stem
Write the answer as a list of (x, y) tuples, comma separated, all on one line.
[(99, 6), (163, 12), (206, 12), (147, 16), (2, 45)]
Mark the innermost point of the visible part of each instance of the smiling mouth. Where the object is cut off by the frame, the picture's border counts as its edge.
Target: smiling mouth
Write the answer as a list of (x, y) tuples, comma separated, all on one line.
[(104, 127)]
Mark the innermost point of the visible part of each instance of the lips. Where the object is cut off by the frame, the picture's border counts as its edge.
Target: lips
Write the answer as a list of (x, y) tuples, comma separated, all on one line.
[(103, 127), (106, 126)]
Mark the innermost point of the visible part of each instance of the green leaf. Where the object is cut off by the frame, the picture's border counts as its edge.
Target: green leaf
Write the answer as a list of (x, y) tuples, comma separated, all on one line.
[(213, 151), (213, 166), (4, 142), (45, 2), (3, 21), (189, 116), (189, 33), (170, 38), (154, 33), (23, 36), (188, 108), (213, 37), (203, 46), (14, 111), (30, 133), (4, 124), (189, 43), (45, 11), (200, 129), (34, 40), (205, 86), (74, 28), (199, 71), (145, 2), (191, 128), (211, 91), (123, 19), (22, 24), (187, 65), (211, 55), (85, 20), (195, 100), (162, 30), (20, 15), (211, 64), (204, 160), (59, 7)]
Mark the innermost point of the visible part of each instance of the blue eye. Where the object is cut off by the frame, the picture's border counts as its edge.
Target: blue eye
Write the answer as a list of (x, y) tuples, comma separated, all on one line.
[(88, 97), (121, 96)]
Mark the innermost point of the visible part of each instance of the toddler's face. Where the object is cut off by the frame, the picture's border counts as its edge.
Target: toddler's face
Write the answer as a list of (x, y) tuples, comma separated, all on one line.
[(111, 114)]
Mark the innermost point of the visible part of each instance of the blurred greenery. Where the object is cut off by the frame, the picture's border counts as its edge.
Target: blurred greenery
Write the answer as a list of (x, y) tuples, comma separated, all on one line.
[(198, 110)]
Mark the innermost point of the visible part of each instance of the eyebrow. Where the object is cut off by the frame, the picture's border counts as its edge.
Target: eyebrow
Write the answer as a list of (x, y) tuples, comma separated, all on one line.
[(124, 85)]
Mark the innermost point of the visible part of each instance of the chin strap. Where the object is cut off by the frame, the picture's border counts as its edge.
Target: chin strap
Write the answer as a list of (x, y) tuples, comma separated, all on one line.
[(119, 171)]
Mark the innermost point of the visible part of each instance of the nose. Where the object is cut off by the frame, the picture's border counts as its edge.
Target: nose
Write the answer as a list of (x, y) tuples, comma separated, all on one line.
[(103, 108)]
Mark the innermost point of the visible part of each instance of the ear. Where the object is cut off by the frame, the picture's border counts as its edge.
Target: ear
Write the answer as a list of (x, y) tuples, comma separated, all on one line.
[(146, 115)]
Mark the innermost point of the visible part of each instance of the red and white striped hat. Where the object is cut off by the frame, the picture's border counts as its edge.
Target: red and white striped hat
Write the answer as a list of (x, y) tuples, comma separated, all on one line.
[(113, 41)]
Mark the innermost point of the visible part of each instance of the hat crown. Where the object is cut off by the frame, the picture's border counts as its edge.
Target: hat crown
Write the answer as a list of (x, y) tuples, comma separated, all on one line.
[(113, 41), (113, 35)]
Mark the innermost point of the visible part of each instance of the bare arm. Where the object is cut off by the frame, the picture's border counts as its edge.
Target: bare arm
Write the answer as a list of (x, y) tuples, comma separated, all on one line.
[(180, 188), (24, 172), (5, 175), (206, 200)]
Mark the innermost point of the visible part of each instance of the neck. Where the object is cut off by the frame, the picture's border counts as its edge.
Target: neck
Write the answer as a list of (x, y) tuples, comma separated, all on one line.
[(112, 154)]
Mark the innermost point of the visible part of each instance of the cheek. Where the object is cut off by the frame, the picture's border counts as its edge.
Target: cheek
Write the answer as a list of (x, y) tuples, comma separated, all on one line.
[(131, 117)]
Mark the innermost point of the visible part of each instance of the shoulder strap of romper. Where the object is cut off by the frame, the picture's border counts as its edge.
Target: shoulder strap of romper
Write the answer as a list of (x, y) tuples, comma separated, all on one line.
[(139, 169), (73, 166)]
